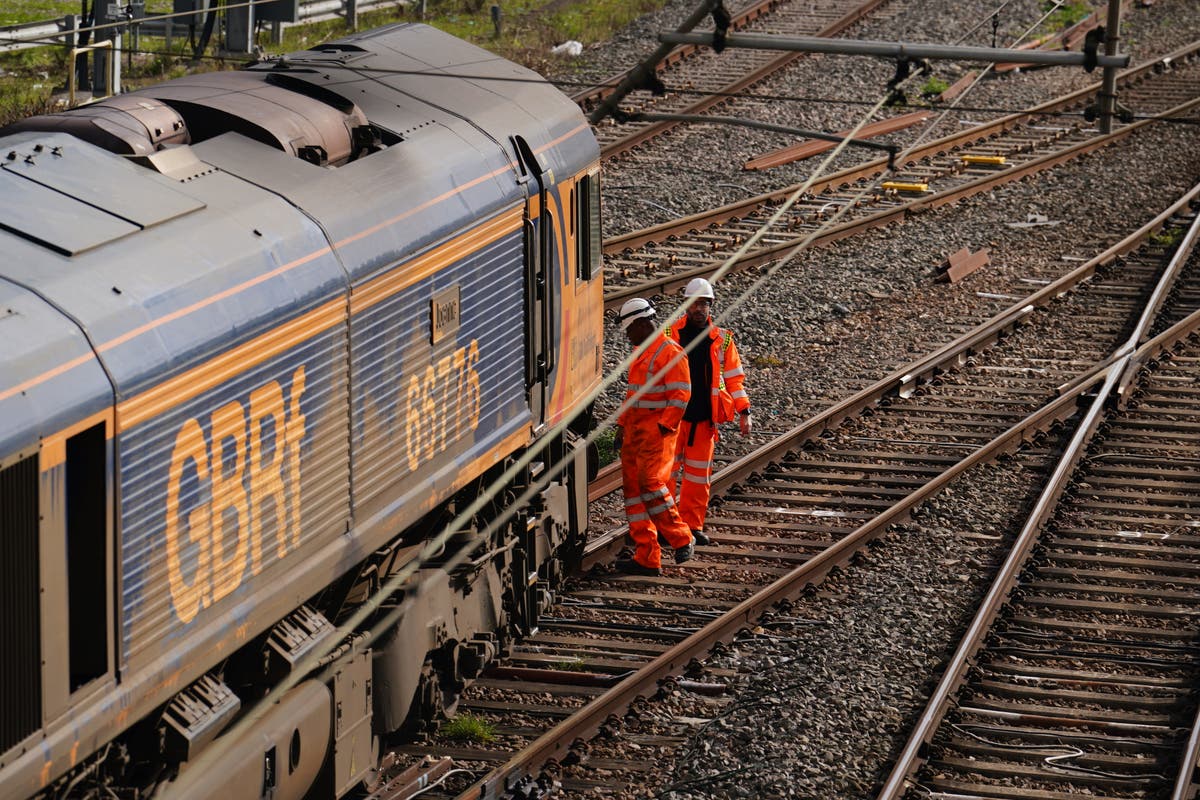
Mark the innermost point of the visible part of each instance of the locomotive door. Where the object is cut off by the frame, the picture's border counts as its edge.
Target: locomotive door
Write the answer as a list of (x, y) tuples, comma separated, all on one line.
[(540, 288), (539, 283)]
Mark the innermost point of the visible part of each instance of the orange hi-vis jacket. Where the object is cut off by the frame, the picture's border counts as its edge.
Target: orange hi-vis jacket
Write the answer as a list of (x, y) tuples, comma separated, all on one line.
[(728, 377), (660, 374), (662, 369)]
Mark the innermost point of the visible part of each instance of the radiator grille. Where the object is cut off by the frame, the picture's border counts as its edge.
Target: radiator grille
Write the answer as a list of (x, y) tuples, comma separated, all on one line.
[(20, 640)]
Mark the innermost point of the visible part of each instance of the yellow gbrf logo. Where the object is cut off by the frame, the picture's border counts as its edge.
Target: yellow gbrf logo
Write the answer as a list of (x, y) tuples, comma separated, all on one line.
[(442, 404), (246, 491)]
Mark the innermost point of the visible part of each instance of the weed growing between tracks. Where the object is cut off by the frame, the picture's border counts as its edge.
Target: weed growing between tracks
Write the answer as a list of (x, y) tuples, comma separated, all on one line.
[(606, 447), (468, 728)]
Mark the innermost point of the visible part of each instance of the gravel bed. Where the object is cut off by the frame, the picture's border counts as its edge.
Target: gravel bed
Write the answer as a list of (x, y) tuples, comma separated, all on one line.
[(825, 694), (698, 167), (814, 334)]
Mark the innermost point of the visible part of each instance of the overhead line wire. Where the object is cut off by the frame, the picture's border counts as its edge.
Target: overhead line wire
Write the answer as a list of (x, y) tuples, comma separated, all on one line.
[(349, 630), (359, 640)]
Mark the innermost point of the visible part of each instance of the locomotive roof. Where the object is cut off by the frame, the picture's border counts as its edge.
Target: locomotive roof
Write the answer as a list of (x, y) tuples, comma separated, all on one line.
[(228, 236)]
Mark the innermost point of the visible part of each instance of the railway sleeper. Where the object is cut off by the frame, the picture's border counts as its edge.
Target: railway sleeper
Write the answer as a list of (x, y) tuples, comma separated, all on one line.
[(1073, 676), (1178, 700), (1137, 766), (998, 769)]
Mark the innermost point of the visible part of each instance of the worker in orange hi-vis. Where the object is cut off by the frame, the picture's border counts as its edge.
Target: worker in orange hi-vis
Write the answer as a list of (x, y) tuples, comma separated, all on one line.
[(718, 396), (658, 393)]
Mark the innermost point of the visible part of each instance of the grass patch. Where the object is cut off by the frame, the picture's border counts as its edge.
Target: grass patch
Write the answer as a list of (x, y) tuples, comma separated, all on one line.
[(468, 728), (1167, 237), (606, 448), (572, 664), (1070, 13), (765, 361), (21, 102), (934, 86)]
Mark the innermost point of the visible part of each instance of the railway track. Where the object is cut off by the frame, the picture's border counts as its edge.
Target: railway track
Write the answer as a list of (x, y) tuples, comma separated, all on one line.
[(791, 512), (1078, 675), (703, 71), (664, 257)]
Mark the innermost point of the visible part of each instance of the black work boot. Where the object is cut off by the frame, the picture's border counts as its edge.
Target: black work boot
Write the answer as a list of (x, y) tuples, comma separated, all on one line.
[(701, 537), (684, 553), (631, 567)]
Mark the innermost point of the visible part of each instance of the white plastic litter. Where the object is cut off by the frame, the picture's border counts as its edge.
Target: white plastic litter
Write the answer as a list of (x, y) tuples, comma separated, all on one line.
[(567, 48)]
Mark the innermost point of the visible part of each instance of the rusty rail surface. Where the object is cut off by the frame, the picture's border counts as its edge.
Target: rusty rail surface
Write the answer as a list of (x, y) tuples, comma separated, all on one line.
[(685, 226), (1117, 375), (556, 743)]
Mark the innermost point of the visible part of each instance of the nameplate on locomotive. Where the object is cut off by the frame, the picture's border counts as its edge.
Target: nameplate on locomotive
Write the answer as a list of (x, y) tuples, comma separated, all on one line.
[(444, 313)]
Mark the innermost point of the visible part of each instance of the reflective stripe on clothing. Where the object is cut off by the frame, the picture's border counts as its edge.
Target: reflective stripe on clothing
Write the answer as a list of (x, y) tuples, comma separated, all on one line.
[(658, 381), (649, 502), (694, 445), (727, 371)]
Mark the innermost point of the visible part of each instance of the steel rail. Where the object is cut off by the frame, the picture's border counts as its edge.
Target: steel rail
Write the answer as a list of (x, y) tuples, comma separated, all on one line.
[(1117, 374), (556, 742), (643, 134), (901, 382), (609, 84), (659, 233), (664, 284), (1184, 251), (607, 480)]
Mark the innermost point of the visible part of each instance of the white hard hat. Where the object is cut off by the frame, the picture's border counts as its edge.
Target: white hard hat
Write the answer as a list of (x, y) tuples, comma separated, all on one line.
[(698, 287), (634, 309)]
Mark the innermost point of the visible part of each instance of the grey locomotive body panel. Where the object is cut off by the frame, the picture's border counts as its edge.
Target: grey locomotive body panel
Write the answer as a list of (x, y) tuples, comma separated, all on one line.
[(38, 397), (190, 318)]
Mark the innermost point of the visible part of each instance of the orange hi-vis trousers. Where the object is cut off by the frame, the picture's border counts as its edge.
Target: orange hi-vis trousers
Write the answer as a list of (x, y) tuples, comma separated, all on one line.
[(646, 458), (694, 446)]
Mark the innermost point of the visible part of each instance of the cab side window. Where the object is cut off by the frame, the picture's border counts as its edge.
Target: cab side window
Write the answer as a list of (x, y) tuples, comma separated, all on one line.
[(587, 217)]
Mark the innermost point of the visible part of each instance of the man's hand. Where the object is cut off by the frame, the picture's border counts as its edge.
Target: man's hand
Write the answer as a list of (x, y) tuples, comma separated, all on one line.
[(745, 424)]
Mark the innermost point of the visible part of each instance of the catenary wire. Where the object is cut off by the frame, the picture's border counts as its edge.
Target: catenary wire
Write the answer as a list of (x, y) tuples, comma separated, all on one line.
[(399, 579), (350, 627)]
